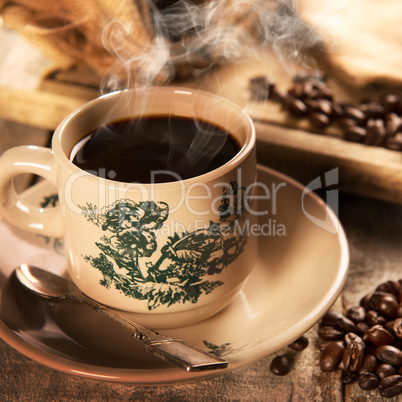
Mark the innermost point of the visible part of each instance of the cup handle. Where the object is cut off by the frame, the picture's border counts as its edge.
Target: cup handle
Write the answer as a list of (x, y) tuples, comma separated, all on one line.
[(34, 160)]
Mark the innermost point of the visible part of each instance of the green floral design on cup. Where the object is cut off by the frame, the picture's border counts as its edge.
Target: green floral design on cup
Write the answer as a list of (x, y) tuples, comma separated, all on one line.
[(219, 350), (184, 266)]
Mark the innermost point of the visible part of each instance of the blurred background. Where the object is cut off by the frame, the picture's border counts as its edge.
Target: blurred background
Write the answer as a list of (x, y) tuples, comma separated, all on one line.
[(316, 76)]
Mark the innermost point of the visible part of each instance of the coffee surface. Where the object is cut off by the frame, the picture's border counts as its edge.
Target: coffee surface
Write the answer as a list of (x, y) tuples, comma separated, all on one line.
[(154, 149)]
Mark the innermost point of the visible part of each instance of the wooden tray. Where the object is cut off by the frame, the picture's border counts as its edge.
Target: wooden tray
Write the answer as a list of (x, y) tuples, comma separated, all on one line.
[(296, 148), (285, 144)]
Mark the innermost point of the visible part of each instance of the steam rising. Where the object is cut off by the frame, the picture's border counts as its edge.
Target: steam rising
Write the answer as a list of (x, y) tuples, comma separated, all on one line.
[(191, 38)]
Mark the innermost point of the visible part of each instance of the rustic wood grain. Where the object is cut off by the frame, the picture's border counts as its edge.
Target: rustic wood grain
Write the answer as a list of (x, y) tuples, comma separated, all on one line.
[(298, 149), (290, 146), (368, 171), (41, 108)]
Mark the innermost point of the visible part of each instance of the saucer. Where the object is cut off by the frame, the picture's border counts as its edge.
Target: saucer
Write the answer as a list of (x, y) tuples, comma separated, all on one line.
[(300, 270)]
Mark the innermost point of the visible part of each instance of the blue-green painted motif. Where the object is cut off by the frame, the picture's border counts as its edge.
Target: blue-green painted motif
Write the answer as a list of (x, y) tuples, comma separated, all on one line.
[(225, 349), (185, 265), (218, 350), (52, 200)]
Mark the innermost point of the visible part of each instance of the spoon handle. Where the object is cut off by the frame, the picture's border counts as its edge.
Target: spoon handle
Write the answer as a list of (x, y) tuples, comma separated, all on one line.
[(174, 351)]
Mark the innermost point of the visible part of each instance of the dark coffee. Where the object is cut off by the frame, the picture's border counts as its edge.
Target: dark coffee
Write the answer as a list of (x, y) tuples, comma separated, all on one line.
[(137, 150)]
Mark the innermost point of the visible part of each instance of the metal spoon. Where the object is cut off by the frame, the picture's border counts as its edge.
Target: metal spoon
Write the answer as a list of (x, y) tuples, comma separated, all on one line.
[(174, 351)]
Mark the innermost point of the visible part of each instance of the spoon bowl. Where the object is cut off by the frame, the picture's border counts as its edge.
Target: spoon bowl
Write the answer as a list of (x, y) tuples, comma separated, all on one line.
[(44, 283), (175, 351)]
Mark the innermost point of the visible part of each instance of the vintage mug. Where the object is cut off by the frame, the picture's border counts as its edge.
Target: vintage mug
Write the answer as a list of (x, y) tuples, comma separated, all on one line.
[(169, 253)]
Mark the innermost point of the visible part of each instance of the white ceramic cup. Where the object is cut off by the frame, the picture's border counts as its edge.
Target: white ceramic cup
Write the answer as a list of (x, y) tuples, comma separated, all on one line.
[(172, 253)]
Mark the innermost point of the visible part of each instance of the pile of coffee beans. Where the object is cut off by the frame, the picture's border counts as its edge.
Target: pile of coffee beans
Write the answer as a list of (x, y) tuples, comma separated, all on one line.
[(376, 121), (281, 365), (365, 343)]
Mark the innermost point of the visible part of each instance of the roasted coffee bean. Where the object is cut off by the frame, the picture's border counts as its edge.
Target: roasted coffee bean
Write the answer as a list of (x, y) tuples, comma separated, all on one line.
[(312, 105), (390, 102), (365, 301), (337, 111), (296, 107), (299, 344), (356, 314), (389, 326), (345, 123), (377, 297), (378, 335), (330, 333), (325, 106), (392, 287), (389, 354), (397, 288), (322, 93), (385, 303), (319, 120), (375, 132), (321, 107), (389, 307), (372, 353), (309, 87), (349, 377), (398, 107), (368, 381), (397, 327), (331, 356), (362, 327), (385, 370), (390, 386), (351, 337), (354, 113), (353, 357), (323, 344), (393, 124), (309, 84), (372, 109), (355, 134), (370, 364), (394, 143), (338, 320), (374, 318), (375, 122), (280, 365), (279, 96)]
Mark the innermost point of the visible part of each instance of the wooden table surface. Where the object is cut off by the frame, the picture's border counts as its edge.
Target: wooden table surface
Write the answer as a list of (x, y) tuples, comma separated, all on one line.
[(374, 231)]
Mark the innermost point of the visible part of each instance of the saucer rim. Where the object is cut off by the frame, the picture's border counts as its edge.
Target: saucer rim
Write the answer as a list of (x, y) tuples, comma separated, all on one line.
[(175, 375)]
